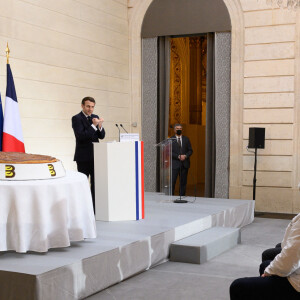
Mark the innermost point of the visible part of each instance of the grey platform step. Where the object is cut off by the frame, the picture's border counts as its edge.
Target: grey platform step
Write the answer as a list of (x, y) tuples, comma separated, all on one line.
[(205, 245)]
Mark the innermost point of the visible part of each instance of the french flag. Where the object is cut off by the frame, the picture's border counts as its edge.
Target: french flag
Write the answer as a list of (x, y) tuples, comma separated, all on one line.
[(12, 130), (1, 123), (139, 179)]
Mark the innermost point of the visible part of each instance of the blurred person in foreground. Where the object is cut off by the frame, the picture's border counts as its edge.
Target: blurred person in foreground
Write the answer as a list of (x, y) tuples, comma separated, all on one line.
[(279, 277)]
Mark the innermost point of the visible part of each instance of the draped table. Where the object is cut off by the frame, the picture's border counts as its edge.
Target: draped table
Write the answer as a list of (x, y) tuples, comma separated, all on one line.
[(37, 215)]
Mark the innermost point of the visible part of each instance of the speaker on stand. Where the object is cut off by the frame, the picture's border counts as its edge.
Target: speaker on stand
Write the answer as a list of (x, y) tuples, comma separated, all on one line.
[(256, 141)]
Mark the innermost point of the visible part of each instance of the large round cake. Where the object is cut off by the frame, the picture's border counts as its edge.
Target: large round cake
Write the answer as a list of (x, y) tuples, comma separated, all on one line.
[(25, 158), (25, 166)]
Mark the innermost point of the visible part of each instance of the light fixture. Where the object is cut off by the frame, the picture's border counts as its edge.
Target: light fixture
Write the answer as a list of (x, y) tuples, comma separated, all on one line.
[(290, 4)]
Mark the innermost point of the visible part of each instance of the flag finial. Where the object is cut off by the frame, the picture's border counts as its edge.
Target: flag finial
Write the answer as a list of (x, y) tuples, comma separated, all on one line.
[(7, 53)]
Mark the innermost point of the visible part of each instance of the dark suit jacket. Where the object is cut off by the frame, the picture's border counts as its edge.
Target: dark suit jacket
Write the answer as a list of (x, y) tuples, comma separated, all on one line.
[(85, 136), (186, 149)]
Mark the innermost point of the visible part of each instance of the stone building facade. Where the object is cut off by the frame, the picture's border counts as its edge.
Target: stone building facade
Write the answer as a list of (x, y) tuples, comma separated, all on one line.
[(264, 93), (63, 50)]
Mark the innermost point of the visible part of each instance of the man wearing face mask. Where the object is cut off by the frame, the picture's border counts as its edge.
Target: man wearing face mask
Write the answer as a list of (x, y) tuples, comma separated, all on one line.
[(181, 152)]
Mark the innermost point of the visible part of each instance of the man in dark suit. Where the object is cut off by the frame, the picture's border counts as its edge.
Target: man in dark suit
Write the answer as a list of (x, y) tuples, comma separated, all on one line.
[(88, 130), (181, 152)]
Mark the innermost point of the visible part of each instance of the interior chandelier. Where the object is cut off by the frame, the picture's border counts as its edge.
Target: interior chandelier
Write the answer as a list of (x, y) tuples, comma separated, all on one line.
[(290, 4)]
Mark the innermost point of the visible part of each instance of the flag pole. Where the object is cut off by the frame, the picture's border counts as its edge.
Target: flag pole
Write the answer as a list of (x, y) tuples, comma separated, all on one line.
[(7, 53), (12, 130)]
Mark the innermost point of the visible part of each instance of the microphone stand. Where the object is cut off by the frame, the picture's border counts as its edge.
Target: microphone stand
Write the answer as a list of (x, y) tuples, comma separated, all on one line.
[(180, 178), (119, 131), (123, 128)]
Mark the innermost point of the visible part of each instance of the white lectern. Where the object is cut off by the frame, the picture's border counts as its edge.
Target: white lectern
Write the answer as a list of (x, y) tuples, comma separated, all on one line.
[(119, 181)]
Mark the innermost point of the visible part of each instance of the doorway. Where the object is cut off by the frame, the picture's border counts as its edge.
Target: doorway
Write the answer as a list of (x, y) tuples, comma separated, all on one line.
[(216, 125), (187, 102), (156, 19)]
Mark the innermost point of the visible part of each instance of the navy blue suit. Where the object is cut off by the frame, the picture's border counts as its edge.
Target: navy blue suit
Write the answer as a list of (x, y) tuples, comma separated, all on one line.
[(85, 136), (185, 149)]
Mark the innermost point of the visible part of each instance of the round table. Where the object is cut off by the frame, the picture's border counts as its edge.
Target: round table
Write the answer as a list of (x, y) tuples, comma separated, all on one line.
[(37, 215)]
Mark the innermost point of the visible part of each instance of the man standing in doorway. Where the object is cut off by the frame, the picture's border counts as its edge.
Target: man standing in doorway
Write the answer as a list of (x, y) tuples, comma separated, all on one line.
[(181, 152), (88, 130)]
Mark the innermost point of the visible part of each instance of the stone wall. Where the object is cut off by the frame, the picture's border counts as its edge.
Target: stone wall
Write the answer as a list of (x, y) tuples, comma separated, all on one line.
[(265, 90), (61, 51), (269, 101)]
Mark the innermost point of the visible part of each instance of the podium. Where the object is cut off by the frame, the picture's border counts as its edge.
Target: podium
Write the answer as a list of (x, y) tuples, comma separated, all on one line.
[(165, 166), (119, 181)]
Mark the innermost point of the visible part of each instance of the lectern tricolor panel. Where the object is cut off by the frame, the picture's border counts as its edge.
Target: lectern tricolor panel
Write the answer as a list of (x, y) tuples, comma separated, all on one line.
[(139, 183), (119, 181)]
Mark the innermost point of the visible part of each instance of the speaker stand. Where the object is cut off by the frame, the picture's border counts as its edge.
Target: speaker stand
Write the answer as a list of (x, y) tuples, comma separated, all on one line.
[(254, 178)]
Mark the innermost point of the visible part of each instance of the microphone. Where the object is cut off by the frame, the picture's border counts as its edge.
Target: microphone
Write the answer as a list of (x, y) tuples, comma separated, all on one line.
[(119, 131), (123, 128)]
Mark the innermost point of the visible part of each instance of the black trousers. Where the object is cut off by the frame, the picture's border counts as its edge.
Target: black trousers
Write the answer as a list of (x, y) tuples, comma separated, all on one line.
[(263, 288), (270, 254), (256, 288), (182, 178), (87, 168)]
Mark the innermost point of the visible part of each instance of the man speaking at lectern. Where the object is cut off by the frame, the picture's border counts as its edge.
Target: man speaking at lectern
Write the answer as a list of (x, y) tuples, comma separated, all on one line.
[(181, 152), (88, 130)]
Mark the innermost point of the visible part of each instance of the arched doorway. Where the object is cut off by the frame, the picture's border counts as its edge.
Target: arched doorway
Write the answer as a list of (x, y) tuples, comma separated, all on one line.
[(138, 13), (187, 102)]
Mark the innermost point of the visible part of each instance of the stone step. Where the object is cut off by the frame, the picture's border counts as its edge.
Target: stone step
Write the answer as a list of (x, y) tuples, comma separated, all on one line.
[(205, 245)]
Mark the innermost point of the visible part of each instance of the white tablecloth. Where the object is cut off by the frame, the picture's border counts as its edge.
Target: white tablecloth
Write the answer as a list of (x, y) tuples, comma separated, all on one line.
[(38, 215)]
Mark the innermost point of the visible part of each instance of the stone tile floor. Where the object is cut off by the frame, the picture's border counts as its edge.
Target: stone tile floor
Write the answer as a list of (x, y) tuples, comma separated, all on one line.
[(209, 281)]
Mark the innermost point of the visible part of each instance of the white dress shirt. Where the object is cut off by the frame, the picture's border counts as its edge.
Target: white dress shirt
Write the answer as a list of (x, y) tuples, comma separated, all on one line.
[(287, 263), (91, 124)]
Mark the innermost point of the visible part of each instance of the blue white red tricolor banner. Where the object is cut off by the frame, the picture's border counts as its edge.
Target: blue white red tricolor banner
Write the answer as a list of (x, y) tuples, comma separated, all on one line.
[(12, 130), (1, 123), (139, 177)]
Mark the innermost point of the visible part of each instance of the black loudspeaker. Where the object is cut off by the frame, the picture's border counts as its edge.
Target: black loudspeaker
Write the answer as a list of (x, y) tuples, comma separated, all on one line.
[(256, 138)]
